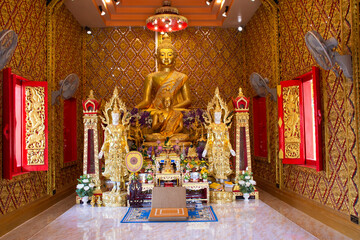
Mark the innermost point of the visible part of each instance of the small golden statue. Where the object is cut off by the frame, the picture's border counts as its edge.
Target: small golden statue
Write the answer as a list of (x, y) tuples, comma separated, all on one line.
[(115, 144), (164, 80), (168, 169), (218, 143)]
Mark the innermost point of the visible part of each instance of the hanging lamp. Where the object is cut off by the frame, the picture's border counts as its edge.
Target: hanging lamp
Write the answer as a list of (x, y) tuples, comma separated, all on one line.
[(166, 19)]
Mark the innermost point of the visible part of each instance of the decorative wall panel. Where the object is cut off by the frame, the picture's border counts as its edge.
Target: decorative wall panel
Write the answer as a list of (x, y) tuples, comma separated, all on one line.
[(124, 56), (68, 35), (27, 18), (337, 186), (260, 57)]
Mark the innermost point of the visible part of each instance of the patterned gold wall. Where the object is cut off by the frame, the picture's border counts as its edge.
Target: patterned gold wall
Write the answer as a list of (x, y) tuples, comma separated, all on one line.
[(260, 57), (335, 187), (68, 59), (28, 19), (124, 56)]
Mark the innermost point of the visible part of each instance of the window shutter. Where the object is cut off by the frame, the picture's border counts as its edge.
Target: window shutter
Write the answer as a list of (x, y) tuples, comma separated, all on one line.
[(318, 118), (35, 128), (291, 126)]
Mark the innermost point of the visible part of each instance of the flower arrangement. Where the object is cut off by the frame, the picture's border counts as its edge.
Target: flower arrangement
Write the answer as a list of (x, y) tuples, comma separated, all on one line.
[(190, 117), (246, 182), (85, 186), (143, 117), (186, 177), (204, 173), (150, 178), (189, 166), (134, 176)]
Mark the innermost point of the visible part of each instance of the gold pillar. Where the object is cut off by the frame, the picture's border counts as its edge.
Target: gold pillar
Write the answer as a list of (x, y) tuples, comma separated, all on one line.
[(90, 110)]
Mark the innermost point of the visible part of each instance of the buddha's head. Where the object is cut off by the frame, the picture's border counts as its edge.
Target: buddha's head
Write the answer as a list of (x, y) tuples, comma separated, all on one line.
[(167, 99), (115, 114), (217, 113), (166, 52)]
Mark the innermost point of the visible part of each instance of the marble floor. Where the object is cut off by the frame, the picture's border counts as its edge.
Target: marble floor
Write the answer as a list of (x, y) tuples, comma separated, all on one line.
[(238, 220)]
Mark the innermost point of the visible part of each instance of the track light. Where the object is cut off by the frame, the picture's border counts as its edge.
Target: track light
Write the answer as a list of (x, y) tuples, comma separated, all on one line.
[(88, 30), (102, 12), (208, 2), (240, 28), (117, 2), (225, 12)]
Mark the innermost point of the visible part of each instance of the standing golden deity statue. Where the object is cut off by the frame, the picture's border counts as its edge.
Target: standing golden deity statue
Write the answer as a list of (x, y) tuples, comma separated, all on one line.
[(115, 145), (218, 142), (165, 80)]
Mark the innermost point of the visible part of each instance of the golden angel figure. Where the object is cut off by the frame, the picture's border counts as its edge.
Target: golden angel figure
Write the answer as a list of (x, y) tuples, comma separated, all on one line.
[(115, 145), (218, 145)]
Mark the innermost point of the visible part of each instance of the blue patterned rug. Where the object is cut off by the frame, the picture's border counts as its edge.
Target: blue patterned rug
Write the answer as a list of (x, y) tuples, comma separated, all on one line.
[(141, 215)]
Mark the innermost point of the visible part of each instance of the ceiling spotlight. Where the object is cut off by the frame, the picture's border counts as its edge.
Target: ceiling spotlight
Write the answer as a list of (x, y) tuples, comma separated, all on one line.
[(239, 18), (156, 27), (225, 12), (208, 2), (240, 28), (117, 2), (88, 30), (102, 12)]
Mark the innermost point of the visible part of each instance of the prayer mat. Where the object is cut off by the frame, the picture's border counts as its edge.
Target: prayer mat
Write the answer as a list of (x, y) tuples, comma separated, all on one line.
[(141, 215)]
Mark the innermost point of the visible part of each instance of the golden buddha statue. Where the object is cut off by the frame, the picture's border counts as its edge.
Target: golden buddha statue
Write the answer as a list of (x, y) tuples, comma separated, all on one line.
[(164, 80), (115, 145), (167, 122), (218, 142), (168, 169)]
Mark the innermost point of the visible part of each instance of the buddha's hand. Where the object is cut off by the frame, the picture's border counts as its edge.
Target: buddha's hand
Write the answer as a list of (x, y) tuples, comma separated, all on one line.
[(101, 154), (232, 152), (204, 153)]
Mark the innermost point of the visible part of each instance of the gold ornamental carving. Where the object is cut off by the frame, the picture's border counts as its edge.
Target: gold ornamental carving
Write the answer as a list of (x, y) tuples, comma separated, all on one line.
[(35, 125), (291, 102)]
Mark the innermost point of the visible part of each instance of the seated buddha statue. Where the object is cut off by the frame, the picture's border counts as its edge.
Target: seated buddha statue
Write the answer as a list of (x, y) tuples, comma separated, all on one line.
[(168, 168), (167, 122), (167, 79)]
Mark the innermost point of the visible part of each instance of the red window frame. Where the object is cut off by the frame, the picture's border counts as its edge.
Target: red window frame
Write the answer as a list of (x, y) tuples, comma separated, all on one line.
[(310, 120), (260, 127), (14, 162)]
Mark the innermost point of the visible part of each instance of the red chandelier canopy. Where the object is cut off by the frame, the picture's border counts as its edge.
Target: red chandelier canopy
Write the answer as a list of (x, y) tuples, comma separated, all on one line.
[(166, 19)]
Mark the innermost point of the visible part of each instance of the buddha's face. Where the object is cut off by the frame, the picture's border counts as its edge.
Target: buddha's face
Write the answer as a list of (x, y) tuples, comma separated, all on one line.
[(167, 102), (217, 117), (166, 56)]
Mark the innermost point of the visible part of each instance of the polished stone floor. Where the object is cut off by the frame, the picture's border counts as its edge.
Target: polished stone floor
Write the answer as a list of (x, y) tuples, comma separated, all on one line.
[(238, 220)]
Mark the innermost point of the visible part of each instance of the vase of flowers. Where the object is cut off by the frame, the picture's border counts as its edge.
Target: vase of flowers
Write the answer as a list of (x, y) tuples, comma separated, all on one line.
[(85, 188), (150, 178), (186, 177), (246, 184), (204, 174)]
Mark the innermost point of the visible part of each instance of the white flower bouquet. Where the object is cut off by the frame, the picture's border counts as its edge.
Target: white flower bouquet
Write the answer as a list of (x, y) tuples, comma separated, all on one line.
[(246, 182), (85, 186)]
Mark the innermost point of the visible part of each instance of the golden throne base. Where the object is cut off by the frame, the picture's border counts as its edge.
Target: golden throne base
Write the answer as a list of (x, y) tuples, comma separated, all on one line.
[(114, 199), (221, 197)]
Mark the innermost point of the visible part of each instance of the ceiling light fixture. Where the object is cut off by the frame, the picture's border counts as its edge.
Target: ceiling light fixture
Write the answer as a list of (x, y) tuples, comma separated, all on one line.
[(225, 12), (117, 2), (88, 30), (240, 28), (208, 2), (166, 19), (102, 12)]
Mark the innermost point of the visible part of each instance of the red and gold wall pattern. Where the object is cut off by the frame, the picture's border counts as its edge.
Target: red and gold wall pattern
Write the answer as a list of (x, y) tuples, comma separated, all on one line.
[(337, 187), (124, 56), (28, 19)]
